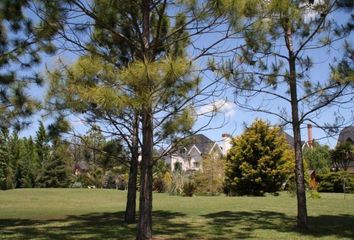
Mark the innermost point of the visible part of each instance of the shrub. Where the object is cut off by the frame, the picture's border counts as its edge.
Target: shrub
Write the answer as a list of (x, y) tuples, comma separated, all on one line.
[(158, 185), (189, 188), (314, 194), (210, 181), (334, 182), (178, 179), (258, 162), (318, 158)]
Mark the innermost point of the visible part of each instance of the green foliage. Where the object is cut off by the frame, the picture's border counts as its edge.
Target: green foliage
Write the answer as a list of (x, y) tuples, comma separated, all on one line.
[(189, 188), (258, 162), (314, 194), (178, 180), (55, 170), (342, 155), (210, 180), (318, 158), (21, 42), (336, 182), (161, 175), (5, 168)]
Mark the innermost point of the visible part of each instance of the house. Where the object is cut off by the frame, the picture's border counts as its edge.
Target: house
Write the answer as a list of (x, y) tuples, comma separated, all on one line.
[(345, 136), (190, 154), (310, 143)]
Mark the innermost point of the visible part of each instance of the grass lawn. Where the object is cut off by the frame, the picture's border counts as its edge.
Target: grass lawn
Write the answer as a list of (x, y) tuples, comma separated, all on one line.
[(98, 214)]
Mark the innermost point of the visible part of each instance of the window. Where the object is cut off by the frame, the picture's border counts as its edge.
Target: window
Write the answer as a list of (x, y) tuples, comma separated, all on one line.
[(183, 151)]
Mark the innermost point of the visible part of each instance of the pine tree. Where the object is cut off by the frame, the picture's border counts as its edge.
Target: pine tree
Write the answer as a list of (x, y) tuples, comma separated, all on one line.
[(5, 167), (55, 170), (30, 163), (108, 90), (42, 149), (276, 60), (22, 38)]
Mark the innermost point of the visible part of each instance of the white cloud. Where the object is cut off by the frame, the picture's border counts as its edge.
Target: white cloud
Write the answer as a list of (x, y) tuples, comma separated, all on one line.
[(219, 106)]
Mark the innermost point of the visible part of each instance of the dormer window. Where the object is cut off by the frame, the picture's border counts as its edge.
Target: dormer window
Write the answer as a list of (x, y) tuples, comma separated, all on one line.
[(183, 151)]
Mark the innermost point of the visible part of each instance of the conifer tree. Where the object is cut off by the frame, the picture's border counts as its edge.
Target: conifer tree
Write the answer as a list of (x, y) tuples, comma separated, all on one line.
[(42, 148), (22, 37), (133, 73), (30, 163), (5, 167), (55, 170), (275, 61), (259, 161)]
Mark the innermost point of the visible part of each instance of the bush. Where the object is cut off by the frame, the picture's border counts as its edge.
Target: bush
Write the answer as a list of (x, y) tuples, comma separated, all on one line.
[(210, 181), (258, 162), (189, 188), (314, 194), (178, 179), (158, 185), (334, 182)]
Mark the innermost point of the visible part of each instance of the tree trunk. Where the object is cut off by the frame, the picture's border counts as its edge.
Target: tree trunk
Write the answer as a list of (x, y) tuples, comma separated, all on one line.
[(145, 209), (133, 174), (299, 166), (144, 230)]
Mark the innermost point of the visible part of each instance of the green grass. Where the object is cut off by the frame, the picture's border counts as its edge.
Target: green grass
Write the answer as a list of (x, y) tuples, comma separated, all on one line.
[(98, 214)]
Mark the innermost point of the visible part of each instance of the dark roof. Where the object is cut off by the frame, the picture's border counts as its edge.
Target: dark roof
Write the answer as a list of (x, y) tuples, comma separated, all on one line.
[(289, 139), (346, 135), (203, 143)]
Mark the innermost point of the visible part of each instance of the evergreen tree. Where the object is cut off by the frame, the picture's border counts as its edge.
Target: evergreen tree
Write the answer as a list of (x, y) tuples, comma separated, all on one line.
[(42, 146), (16, 149), (342, 155), (55, 169), (22, 38), (133, 72), (5, 167), (30, 163), (276, 60), (258, 162)]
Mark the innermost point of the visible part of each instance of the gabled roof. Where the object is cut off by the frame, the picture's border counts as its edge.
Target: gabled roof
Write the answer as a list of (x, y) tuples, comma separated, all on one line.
[(289, 139), (200, 141), (346, 135)]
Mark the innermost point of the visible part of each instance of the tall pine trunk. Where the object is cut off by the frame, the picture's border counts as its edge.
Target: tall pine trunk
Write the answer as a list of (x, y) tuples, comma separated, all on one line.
[(145, 208), (130, 209), (144, 230), (299, 166)]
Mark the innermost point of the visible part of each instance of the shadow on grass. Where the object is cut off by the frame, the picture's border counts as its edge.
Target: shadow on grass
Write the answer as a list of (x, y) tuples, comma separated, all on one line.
[(171, 225), (89, 226), (223, 224)]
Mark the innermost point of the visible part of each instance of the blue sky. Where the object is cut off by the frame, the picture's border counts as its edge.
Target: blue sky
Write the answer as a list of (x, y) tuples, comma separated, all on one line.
[(231, 119)]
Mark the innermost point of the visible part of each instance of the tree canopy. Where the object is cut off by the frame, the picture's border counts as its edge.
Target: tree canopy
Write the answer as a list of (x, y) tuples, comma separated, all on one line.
[(259, 161)]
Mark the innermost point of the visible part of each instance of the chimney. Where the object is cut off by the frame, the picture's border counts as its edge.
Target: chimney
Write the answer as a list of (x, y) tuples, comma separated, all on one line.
[(226, 142), (309, 135)]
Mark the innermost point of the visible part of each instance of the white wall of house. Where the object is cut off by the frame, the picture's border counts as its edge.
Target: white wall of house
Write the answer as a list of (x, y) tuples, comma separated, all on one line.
[(191, 160), (195, 159), (227, 143), (173, 159)]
